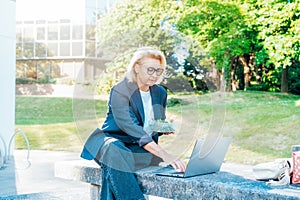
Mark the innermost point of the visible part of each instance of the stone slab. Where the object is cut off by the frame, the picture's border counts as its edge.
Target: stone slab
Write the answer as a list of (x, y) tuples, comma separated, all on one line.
[(221, 185)]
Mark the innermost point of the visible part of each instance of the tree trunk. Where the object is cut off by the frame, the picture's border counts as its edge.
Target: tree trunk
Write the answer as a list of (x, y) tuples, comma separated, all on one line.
[(215, 76), (251, 67), (233, 81), (228, 79), (216, 81), (222, 80), (247, 71), (284, 80)]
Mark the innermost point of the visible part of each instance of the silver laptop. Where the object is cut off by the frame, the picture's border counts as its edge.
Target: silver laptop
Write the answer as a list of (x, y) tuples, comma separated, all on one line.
[(207, 157)]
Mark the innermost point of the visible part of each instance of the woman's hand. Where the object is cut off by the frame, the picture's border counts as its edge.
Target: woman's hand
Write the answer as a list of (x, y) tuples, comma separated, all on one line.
[(176, 163)]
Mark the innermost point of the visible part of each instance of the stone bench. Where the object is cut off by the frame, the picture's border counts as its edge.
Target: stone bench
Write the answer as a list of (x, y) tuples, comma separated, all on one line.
[(221, 185)]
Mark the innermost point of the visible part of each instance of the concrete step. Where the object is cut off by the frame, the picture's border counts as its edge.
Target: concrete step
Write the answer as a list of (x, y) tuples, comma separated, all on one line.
[(69, 194)]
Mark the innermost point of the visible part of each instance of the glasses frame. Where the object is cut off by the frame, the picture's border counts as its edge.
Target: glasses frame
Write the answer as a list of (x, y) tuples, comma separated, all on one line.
[(159, 71)]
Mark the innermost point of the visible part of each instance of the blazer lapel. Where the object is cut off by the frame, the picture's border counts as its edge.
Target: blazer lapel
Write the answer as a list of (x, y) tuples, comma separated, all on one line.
[(156, 103), (136, 99), (139, 105)]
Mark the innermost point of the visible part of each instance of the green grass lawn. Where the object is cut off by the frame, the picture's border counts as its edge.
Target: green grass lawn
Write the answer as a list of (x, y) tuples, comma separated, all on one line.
[(52, 110), (263, 125), (53, 123)]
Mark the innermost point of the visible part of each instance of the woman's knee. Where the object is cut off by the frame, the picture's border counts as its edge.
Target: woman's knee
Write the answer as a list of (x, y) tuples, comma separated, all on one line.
[(116, 155)]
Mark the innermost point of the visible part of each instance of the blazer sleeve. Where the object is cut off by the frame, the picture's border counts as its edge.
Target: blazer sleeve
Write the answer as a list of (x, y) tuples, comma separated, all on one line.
[(124, 115)]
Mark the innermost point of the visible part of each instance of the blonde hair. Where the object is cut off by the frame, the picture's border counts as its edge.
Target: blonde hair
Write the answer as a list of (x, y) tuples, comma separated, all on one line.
[(141, 53)]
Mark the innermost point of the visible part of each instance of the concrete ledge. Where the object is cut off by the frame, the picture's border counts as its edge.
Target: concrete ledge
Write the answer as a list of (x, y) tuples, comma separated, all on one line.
[(66, 194), (221, 185)]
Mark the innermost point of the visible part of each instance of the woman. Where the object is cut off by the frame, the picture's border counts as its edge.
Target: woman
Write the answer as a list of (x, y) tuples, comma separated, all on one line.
[(125, 142)]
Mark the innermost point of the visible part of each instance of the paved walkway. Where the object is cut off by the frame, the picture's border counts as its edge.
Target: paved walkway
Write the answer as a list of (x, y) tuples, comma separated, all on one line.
[(17, 177)]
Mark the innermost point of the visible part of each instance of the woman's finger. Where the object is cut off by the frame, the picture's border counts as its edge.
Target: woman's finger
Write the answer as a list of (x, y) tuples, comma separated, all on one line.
[(178, 165)]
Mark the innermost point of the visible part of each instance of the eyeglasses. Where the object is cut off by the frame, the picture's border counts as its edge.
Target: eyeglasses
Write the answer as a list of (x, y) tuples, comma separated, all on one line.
[(151, 70)]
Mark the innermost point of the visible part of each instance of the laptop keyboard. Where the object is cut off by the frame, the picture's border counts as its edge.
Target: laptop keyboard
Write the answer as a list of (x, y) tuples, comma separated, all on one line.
[(169, 171)]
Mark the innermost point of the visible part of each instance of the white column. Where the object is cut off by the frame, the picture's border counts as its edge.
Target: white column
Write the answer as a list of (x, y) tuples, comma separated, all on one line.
[(7, 70)]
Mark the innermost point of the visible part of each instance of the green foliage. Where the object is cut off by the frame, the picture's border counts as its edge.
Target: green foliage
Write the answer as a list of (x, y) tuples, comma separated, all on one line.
[(37, 70), (226, 30), (220, 27), (34, 81), (175, 102), (114, 72), (270, 81), (25, 81), (295, 87), (278, 25), (105, 83), (178, 83), (232, 28), (120, 31), (261, 57), (294, 81)]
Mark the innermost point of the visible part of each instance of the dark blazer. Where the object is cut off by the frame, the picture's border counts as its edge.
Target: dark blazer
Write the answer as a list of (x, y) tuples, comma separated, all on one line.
[(125, 117)]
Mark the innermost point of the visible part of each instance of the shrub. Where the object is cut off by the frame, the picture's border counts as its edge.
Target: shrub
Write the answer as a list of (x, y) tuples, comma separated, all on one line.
[(34, 81), (178, 83), (174, 102)]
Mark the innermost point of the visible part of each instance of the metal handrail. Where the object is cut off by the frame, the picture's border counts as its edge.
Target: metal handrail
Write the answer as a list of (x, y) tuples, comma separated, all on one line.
[(27, 143), (4, 156)]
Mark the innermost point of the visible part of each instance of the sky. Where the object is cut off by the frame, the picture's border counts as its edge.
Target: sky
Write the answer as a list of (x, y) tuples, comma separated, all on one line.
[(49, 9)]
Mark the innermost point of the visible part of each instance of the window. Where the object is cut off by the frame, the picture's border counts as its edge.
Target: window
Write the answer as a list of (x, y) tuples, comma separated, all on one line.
[(28, 33), (52, 49), (19, 34), (65, 21), (41, 21), (77, 33), (90, 49), (65, 32), (28, 50), (77, 49), (19, 50), (40, 50), (40, 33), (52, 32), (90, 32), (65, 49)]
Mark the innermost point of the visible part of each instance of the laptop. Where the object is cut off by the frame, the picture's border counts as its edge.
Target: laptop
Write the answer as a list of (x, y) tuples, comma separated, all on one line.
[(202, 160)]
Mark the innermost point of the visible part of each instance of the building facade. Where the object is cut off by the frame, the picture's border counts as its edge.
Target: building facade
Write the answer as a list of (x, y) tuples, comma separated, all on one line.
[(57, 39), (7, 76)]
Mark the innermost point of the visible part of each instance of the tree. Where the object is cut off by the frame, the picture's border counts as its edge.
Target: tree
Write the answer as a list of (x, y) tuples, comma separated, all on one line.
[(221, 29), (244, 41), (135, 23), (278, 25)]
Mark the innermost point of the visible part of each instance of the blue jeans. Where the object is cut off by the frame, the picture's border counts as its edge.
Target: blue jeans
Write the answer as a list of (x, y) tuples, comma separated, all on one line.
[(118, 162)]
